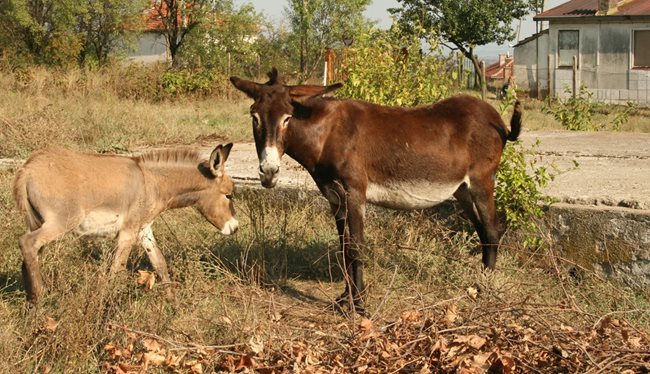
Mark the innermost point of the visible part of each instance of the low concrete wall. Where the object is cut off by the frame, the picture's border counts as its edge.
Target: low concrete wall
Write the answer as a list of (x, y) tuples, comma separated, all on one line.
[(613, 241)]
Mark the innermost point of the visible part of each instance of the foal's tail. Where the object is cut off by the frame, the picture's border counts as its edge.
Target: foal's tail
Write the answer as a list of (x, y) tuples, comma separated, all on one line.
[(22, 201), (515, 123)]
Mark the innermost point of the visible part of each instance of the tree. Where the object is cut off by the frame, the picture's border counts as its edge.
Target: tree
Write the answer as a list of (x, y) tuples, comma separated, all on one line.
[(65, 32), (319, 24), (41, 30), (464, 23), (228, 30), (178, 18), (104, 25)]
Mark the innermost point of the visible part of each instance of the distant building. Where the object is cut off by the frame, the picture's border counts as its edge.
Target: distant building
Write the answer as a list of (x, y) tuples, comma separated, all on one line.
[(500, 71), (610, 40)]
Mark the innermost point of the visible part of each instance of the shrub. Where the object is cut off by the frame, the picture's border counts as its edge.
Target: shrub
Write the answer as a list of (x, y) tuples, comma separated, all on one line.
[(520, 181), (575, 112), (622, 116), (204, 82), (390, 69)]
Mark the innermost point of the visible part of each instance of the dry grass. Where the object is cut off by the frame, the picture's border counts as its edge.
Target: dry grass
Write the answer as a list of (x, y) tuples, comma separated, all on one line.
[(37, 115), (106, 112), (262, 299)]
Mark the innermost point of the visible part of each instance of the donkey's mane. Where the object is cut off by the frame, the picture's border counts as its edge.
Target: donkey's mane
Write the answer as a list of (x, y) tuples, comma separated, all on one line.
[(176, 156)]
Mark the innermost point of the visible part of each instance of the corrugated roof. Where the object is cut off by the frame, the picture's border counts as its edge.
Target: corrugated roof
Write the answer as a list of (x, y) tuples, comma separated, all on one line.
[(588, 8)]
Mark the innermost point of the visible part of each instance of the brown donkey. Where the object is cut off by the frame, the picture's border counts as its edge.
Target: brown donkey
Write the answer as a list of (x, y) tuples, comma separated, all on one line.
[(402, 158), (59, 191)]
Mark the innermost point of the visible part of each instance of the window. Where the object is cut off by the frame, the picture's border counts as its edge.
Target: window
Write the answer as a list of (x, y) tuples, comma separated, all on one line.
[(641, 51), (568, 41)]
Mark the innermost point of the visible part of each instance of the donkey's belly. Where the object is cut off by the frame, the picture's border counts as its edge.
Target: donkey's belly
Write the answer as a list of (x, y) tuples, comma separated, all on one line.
[(410, 194), (100, 223)]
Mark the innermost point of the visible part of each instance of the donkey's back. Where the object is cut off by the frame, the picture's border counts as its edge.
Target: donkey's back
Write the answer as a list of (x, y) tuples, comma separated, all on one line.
[(88, 192), (59, 190)]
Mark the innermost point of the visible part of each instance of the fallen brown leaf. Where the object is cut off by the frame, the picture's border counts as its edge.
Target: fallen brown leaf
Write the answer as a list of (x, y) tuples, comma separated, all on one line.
[(50, 324), (146, 279)]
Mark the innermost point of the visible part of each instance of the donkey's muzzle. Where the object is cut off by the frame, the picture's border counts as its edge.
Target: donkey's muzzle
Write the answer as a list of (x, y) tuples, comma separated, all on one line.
[(269, 176)]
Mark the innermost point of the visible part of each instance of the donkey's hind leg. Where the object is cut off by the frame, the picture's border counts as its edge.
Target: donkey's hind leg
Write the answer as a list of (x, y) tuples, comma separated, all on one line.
[(464, 198), (30, 246), (482, 192)]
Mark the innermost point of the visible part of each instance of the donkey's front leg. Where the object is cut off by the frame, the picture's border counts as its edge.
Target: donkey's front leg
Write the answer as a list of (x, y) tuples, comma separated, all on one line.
[(349, 212), (352, 254), (125, 241), (148, 242)]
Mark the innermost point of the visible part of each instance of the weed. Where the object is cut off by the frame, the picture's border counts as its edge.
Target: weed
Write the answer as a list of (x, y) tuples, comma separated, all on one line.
[(576, 111)]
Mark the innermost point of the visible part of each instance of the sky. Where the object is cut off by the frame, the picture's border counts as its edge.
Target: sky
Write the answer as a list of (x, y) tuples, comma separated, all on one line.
[(378, 11)]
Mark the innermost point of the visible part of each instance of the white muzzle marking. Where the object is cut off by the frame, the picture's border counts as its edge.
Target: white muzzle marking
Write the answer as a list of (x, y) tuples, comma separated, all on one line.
[(230, 227), (269, 166)]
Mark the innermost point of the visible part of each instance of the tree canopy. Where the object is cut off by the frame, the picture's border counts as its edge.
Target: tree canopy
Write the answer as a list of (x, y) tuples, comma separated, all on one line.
[(319, 24), (464, 24)]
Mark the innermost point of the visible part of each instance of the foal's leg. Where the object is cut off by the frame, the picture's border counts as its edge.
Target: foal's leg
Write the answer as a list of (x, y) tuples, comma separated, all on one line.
[(30, 246), (148, 242), (125, 240), (482, 192)]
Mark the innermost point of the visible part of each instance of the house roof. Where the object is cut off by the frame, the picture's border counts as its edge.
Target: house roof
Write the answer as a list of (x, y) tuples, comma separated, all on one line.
[(589, 8), (498, 69), (531, 38)]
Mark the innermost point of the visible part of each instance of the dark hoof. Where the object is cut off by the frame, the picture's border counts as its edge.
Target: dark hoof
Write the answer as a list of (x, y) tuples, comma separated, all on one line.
[(344, 305)]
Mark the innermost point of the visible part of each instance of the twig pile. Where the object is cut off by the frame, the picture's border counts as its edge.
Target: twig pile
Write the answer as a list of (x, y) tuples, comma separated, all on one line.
[(518, 338)]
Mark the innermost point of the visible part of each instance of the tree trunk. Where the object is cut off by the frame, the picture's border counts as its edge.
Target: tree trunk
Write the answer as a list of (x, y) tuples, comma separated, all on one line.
[(477, 66)]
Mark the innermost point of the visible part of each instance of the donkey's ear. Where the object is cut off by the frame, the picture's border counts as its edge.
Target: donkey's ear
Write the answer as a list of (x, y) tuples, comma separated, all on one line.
[(249, 88), (304, 92), (273, 76), (225, 151), (218, 158)]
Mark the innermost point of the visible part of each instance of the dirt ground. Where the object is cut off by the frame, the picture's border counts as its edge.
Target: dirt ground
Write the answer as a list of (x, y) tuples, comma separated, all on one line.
[(613, 168)]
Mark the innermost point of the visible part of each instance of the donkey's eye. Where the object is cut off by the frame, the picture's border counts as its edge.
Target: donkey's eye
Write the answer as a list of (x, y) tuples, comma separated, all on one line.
[(285, 121)]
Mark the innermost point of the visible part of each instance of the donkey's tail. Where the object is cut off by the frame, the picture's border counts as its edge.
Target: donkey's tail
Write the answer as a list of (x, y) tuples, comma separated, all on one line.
[(32, 218), (515, 123)]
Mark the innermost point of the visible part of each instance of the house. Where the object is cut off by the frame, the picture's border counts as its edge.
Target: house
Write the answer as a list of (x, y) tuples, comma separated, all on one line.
[(502, 69), (610, 41), (151, 43)]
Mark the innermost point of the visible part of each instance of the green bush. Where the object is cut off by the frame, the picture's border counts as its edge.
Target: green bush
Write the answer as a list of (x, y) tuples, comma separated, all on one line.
[(520, 181), (575, 112), (204, 82), (391, 69), (622, 116)]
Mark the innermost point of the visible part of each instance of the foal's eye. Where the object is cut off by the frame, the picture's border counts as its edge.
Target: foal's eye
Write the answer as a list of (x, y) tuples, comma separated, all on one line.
[(230, 196)]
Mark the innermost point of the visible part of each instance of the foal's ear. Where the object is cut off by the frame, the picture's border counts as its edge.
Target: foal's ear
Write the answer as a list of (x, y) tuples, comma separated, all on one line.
[(249, 88), (218, 158), (304, 92)]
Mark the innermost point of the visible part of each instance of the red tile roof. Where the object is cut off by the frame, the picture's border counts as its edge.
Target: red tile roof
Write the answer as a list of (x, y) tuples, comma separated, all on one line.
[(587, 8), (500, 69)]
